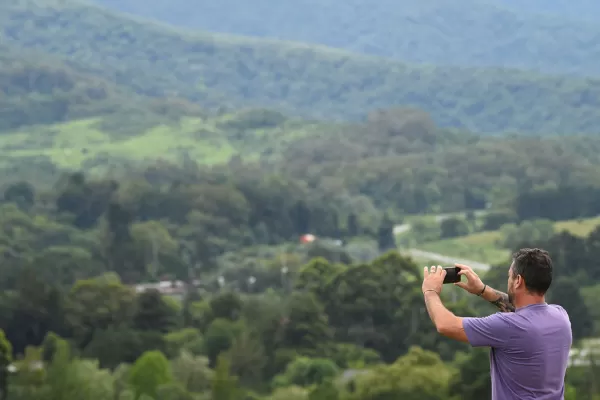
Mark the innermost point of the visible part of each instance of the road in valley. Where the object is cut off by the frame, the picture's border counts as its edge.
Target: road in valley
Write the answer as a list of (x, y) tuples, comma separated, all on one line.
[(447, 260), (441, 258)]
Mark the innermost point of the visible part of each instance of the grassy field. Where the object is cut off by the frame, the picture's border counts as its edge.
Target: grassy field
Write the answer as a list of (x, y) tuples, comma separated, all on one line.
[(206, 140), (432, 218), (578, 227), (484, 247)]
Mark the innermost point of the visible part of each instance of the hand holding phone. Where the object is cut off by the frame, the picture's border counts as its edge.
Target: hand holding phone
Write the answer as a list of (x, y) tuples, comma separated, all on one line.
[(452, 275)]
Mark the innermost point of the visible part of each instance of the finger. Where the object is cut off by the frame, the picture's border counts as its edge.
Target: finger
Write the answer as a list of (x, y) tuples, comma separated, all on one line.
[(426, 272), (440, 270), (463, 267), (432, 270), (471, 275)]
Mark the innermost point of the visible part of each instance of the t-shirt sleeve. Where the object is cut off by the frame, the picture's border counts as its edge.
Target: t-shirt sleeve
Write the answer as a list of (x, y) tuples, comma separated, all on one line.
[(493, 331), (560, 309)]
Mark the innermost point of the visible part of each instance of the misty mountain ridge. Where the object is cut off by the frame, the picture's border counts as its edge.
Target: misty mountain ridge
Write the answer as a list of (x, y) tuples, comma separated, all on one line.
[(468, 33)]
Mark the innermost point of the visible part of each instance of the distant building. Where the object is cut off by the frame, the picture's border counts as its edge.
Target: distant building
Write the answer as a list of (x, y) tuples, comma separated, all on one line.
[(584, 355), (31, 366), (350, 374), (175, 289)]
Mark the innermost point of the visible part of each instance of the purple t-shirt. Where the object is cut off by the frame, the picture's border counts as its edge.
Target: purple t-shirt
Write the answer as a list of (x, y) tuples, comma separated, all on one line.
[(529, 351)]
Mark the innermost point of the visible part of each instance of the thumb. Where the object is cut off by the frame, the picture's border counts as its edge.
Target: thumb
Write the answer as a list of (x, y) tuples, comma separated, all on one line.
[(462, 285)]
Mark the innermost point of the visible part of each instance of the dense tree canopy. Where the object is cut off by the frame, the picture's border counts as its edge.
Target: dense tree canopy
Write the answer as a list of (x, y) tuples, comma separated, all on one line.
[(277, 323)]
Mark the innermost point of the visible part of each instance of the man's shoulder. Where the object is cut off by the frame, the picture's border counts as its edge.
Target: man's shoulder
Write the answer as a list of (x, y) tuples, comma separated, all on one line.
[(553, 309), (542, 311), (549, 315), (558, 308), (561, 311), (532, 315)]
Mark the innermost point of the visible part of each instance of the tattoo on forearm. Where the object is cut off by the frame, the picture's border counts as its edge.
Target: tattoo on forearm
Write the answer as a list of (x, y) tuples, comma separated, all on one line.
[(502, 302)]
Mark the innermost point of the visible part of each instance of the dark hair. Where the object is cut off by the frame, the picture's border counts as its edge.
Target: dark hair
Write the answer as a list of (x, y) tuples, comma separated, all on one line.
[(535, 266)]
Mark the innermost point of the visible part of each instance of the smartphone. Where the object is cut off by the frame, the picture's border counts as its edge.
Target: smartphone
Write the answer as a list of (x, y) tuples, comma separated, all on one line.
[(452, 275)]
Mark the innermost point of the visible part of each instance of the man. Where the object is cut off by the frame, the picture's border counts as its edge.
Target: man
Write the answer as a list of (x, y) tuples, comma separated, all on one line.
[(529, 339)]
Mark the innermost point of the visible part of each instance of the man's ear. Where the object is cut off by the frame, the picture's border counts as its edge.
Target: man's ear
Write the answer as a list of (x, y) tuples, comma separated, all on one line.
[(519, 281)]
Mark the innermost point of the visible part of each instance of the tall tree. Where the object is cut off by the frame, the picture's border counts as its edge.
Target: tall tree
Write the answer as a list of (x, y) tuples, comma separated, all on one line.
[(5, 360), (565, 292), (149, 372), (385, 234), (154, 313)]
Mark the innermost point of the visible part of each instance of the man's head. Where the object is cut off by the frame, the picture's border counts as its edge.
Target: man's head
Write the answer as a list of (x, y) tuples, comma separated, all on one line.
[(530, 273)]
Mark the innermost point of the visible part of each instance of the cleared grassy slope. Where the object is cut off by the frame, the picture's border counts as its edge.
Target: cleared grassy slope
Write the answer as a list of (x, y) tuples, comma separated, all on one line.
[(299, 79), (209, 140), (483, 246)]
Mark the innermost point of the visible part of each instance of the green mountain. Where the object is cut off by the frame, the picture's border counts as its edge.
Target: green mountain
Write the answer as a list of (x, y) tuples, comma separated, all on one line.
[(38, 89), (53, 115), (309, 81), (397, 158), (463, 33)]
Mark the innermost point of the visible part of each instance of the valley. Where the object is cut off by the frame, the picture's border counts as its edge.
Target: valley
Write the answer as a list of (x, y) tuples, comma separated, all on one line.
[(235, 200)]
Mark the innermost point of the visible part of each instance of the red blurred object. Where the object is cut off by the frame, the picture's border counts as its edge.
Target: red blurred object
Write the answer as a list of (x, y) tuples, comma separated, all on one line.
[(308, 238)]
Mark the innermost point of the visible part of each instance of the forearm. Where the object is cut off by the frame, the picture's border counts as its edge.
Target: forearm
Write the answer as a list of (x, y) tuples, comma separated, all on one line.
[(439, 314), (498, 298), (444, 320)]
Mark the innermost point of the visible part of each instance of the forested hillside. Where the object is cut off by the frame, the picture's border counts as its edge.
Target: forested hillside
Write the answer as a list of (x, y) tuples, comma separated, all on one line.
[(398, 160), (302, 80), (40, 89), (465, 33)]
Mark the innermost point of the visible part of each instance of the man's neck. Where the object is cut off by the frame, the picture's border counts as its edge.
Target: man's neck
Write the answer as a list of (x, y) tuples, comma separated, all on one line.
[(528, 300)]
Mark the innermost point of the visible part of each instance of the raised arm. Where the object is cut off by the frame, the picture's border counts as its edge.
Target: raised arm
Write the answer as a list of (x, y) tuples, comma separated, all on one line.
[(475, 286), (489, 331), (498, 298)]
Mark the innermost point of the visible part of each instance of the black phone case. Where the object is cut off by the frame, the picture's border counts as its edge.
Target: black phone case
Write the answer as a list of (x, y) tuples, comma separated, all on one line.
[(452, 275)]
